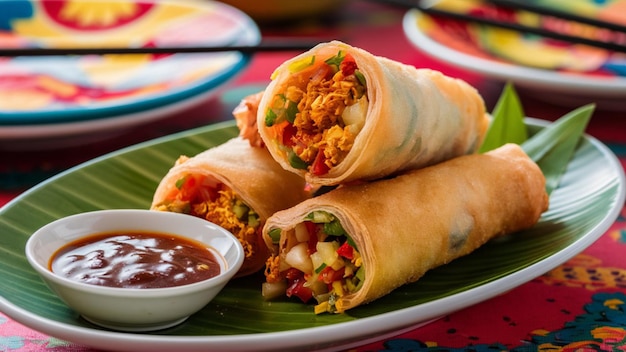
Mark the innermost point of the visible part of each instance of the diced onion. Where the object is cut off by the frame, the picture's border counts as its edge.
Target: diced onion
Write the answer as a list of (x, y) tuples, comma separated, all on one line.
[(302, 234), (273, 290), (317, 260), (282, 265), (338, 264), (328, 252), (354, 115), (298, 258), (318, 287)]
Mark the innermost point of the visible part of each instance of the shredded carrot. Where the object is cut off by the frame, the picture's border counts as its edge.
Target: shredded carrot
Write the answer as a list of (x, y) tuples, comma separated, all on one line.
[(318, 124), (272, 273), (220, 212)]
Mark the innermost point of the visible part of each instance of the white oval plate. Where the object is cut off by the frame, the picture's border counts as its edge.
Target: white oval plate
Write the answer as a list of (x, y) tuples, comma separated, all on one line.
[(582, 209)]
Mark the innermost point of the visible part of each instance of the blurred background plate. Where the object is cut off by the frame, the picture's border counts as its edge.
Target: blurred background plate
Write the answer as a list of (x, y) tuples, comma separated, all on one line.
[(273, 11), (572, 75), (37, 93)]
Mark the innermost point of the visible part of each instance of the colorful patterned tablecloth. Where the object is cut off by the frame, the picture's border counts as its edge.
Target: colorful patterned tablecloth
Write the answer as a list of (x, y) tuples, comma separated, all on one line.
[(578, 306)]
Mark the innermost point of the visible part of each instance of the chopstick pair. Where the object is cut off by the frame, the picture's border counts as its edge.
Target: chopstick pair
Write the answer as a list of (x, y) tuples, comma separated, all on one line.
[(269, 46), (615, 33)]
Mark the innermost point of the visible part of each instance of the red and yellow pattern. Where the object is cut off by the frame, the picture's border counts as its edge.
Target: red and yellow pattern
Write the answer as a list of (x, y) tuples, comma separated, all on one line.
[(61, 83)]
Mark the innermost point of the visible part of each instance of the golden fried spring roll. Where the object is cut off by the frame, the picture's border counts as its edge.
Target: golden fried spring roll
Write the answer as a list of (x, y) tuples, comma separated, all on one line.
[(233, 185), (359, 242), (338, 113)]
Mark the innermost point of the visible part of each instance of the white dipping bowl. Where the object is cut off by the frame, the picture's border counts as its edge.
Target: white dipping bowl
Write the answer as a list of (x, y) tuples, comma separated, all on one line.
[(134, 309)]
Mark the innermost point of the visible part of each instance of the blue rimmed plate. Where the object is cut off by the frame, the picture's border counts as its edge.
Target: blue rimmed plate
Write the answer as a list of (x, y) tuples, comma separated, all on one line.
[(38, 92)]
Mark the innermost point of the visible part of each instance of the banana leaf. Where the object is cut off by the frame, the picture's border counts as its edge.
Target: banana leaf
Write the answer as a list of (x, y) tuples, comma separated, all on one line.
[(507, 124), (551, 148)]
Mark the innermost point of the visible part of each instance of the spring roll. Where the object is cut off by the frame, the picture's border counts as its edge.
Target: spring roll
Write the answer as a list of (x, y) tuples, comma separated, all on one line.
[(337, 114), (233, 185), (245, 117), (359, 242)]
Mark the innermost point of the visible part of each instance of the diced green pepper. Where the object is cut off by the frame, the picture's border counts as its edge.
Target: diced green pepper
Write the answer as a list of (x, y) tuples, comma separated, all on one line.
[(359, 76), (359, 275), (320, 217), (275, 235), (180, 182), (320, 268), (350, 284), (253, 219), (270, 117), (291, 111), (334, 228), (240, 210), (350, 241), (336, 60), (295, 161)]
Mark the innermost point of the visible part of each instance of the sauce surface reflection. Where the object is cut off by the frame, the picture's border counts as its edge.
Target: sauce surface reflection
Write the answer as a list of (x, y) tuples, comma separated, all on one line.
[(135, 260)]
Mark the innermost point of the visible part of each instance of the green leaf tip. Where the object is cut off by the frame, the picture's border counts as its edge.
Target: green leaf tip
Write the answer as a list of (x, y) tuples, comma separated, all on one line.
[(507, 123), (553, 146)]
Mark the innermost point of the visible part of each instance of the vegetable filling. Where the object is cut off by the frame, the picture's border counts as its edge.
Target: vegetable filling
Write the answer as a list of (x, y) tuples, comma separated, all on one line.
[(319, 261), (209, 199), (316, 118)]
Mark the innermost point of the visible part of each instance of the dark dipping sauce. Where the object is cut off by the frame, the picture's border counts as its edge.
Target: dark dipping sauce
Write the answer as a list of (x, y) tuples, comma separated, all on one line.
[(135, 260)]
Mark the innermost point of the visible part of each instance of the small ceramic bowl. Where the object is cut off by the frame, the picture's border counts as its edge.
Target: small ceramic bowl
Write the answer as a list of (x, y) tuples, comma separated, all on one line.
[(134, 309)]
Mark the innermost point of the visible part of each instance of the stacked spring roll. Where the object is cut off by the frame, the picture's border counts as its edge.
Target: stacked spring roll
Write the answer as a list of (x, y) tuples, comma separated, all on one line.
[(233, 185), (337, 113), (358, 242)]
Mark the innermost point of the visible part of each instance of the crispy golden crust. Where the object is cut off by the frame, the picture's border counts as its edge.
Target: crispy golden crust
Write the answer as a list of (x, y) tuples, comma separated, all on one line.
[(251, 174), (425, 218), (415, 117)]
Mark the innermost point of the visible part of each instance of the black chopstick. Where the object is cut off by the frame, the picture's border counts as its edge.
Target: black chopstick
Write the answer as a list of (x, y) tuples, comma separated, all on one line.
[(246, 49), (507, 25)]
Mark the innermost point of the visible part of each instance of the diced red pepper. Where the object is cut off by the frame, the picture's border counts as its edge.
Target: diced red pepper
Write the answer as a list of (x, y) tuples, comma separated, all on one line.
[(348, 65), (312, 229), (293, 274), (187, 190), (319, 166), (324, 72), (346, 251), (328, 275), (190, 182), (287, 135), (298, 289)]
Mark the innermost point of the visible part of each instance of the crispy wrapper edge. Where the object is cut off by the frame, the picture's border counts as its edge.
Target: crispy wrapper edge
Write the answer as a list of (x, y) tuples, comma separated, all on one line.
[(425, 218), (252, 174), (416, 117)]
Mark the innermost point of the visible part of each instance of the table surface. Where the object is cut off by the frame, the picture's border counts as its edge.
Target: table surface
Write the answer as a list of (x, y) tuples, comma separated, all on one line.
[(579, 312)]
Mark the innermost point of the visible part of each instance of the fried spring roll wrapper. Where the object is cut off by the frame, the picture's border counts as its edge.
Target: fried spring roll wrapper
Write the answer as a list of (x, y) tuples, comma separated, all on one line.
[(425, 218), (411, 117), (251, 174)]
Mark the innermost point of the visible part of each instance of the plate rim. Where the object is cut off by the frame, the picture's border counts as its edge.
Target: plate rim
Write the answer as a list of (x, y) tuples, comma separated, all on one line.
[(30, 137), (572, 83), (335, 337), (15, 118)]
